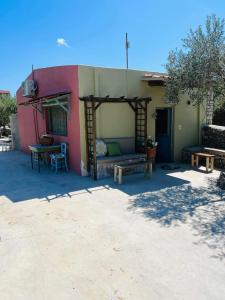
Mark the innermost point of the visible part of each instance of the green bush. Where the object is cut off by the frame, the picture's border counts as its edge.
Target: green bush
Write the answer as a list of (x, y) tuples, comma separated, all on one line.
[(7, 107)]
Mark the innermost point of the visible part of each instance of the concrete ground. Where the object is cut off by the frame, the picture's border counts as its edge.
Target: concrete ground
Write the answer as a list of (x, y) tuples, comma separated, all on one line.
[(66, 237)]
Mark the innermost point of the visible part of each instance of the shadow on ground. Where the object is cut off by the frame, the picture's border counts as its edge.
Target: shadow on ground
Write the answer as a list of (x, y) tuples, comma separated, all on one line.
[(19, 182), (202, 208), (166, 199)]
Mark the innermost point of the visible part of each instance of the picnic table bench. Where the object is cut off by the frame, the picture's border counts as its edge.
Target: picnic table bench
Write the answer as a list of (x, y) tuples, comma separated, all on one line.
[(119, 169), (209, 160)]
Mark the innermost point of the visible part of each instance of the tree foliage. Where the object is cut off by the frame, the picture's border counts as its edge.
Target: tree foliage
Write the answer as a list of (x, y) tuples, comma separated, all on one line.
[(7, 107), (198, 69)]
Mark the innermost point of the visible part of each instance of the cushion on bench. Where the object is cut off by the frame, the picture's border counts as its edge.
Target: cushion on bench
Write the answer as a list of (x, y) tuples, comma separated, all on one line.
[(127, 144), (113, 149)]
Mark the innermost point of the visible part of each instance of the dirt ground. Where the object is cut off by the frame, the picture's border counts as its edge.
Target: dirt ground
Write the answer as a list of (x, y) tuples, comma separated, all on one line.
[(66, 237)]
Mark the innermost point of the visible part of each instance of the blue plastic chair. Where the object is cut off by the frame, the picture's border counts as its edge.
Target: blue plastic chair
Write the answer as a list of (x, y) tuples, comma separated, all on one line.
[(59, 160)]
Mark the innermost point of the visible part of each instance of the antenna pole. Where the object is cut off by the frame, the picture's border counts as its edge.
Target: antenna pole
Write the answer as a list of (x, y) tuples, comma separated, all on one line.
[(33, 72), (127, 46)]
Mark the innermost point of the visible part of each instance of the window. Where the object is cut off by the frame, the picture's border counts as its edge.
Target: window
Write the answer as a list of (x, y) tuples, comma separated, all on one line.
[(57, 120)]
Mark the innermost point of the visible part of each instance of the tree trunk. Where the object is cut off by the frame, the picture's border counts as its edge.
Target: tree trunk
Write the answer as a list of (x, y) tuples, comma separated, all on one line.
[(209, 107)]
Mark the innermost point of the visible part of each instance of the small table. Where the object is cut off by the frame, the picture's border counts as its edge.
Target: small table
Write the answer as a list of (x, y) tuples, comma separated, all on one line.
[(38, 150), (119, 169), (209, 160)]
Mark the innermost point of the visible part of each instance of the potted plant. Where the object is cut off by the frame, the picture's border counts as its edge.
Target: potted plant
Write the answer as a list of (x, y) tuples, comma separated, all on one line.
[(151, 148)]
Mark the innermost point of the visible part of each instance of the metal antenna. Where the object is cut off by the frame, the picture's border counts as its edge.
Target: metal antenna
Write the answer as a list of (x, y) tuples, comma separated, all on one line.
[(127, 45), (33, 72)]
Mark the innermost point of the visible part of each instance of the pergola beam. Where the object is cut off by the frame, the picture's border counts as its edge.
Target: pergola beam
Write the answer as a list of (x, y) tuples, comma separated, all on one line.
[(61, 95), (109, 99)]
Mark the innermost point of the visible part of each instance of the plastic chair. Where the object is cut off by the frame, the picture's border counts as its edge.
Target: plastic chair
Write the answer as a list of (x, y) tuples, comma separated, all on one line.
[(59, 160)]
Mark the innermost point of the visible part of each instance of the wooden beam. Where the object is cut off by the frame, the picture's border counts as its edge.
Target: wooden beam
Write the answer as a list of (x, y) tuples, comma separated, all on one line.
[(109, 99), (94, 140), (146, 126), (97, 106), (86, 136), (61, 101), (45, 98), (132, 106), (140, 104)]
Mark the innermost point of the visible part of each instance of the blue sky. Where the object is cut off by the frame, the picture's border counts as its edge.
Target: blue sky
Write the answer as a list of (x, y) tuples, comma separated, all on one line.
[(94, 32)]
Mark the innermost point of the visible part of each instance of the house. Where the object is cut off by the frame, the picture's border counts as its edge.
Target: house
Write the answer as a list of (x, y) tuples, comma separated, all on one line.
[(79, 104), (4, 92)]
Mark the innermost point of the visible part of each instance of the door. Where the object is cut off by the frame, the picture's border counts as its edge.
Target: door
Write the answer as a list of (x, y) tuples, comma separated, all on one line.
[(163, 134)]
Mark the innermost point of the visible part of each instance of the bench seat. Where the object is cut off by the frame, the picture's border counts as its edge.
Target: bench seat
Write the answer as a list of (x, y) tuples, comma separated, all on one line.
[(105, 165)]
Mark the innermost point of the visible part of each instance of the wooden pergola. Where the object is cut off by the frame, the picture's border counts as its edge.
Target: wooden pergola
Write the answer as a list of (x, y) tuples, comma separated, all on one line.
[(138, 105)]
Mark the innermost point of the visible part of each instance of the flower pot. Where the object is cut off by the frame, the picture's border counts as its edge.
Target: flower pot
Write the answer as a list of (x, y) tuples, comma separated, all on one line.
[(151, 153)]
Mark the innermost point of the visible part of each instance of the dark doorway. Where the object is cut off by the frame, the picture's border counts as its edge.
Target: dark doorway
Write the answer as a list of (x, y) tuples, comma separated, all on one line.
[(163, 134)]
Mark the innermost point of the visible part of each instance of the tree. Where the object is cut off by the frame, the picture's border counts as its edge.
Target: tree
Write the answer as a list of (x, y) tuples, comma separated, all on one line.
[(198, 69), (7, 107)]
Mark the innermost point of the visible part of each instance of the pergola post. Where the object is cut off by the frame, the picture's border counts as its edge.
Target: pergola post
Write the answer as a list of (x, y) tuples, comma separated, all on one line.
[(94, 141), (141, 124), (90, 128)]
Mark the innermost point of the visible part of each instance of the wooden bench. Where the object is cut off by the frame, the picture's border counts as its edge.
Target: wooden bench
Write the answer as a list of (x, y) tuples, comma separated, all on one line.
[(209, 158), (219, 154), (119, 170)]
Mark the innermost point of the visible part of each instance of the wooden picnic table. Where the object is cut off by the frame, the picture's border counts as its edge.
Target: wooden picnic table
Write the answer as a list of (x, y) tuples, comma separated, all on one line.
[(119, 169), (37, 152), (209, 160)]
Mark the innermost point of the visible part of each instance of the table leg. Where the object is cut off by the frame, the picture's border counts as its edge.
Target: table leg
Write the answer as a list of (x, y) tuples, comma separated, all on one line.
[(194, 160), (115, 173), (120, 174), (150, 169), (207, 164), (197, 161), (212, 163)]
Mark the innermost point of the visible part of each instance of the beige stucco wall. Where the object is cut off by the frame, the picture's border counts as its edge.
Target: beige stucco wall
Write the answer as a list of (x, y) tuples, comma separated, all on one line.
[(117, 120)]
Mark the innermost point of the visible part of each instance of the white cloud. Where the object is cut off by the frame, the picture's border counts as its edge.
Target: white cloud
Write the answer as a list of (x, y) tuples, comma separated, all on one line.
[(62, 42)]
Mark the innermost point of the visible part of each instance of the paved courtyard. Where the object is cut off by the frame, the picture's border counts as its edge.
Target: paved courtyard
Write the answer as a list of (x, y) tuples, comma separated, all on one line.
[(66, 237)]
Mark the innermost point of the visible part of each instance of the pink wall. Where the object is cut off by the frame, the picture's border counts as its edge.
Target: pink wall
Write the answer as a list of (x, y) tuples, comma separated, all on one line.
[(50, 81)]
